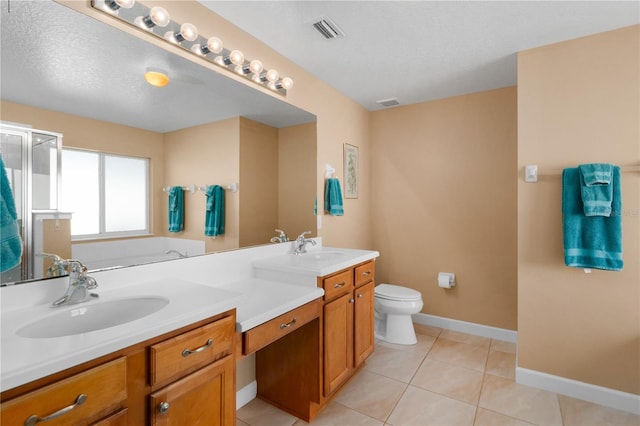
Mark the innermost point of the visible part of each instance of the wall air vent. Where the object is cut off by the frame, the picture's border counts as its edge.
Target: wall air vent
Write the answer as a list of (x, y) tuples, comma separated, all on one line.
[(388, 102), (328, 28)]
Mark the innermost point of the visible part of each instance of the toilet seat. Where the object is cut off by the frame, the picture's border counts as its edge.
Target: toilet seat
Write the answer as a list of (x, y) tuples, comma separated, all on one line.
[(396, 292)]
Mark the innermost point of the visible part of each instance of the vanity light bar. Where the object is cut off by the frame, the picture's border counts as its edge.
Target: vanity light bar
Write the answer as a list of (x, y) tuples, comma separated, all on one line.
[(156, 20)]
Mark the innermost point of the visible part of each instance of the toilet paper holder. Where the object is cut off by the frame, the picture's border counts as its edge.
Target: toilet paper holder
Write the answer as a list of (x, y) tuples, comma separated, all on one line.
[(446, 279)]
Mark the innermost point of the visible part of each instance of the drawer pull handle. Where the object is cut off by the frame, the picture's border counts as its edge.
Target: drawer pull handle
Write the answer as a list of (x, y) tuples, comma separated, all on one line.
[(188, 352), (289, 324), (32, 420), (163, 407), (365, 273), (340, 285)]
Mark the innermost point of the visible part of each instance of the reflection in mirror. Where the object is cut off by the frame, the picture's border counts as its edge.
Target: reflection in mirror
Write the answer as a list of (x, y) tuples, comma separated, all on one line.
[(84, 80)]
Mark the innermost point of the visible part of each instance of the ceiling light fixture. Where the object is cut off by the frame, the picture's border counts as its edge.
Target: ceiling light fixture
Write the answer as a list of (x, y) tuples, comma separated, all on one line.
[(156, 78), (186, 37)]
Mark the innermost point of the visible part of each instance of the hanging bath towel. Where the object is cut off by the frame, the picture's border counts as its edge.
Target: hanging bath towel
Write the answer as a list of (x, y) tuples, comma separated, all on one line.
[(596, 186), (214, 215), (176, 209), (10, 241), (333, 198), (591, 241)]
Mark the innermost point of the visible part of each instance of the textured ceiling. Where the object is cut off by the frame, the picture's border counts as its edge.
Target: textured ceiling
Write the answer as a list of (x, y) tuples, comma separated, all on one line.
[(55, 58), (419, 50)]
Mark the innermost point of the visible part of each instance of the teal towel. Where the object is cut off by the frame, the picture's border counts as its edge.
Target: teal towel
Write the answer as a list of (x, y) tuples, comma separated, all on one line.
[(214, 215), (10, 241), (333, 198), (591, 241), (596, 188), (176, 209)]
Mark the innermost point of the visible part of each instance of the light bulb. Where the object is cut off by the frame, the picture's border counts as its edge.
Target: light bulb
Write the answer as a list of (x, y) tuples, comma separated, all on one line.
[(188, 32), (127, 4), (286, 83), (214, 44), (256, 66), (236, 57), (114, 5), (272, 75), (157, 16), (198, 49)]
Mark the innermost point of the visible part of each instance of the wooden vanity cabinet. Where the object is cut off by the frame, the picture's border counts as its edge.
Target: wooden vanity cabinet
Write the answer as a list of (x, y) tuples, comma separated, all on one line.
[(194, 374), (301, 371), (178, 378), (348, 323)]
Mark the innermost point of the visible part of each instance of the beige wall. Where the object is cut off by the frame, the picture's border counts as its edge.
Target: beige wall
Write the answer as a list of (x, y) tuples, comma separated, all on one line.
[(259, 182), (86, 133), (445, 181), (204, 155), (296, 179), (578, 102)]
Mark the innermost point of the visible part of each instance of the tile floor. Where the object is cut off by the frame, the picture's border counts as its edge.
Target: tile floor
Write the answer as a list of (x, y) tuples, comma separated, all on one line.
[(447, 379)]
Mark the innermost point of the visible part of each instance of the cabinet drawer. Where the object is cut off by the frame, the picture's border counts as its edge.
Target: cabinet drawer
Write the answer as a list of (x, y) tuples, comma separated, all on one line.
[(338, 284), (104, 389), (191, 350), (264, 334), (365, 273)]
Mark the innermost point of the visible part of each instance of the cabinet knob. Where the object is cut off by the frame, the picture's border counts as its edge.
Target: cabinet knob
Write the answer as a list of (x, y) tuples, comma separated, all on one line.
[(359, 295), (163, 407), (351, 300)]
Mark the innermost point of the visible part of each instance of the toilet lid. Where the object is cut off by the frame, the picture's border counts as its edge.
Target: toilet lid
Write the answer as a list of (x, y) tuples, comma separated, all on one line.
[(396, 292)]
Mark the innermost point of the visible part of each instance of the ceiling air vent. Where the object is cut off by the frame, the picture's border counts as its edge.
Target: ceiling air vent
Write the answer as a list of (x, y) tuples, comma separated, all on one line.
[(328, 28), (388, 102)]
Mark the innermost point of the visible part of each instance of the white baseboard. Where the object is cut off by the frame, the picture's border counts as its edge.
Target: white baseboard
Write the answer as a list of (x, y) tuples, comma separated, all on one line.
[(587, 392), (466, 327), (246, 394)]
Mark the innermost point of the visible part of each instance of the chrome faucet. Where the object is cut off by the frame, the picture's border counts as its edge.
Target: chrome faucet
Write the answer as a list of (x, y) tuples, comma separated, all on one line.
[(180, 255), (282, 238), (79, 285), (301, 242), (58, 267)]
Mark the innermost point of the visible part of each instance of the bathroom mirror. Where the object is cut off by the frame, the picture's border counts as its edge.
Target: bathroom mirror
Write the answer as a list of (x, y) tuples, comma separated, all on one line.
[(55, 59)]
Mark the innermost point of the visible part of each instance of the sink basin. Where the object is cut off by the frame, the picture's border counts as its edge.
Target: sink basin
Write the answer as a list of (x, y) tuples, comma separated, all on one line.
[(92, 317), (319, 256)]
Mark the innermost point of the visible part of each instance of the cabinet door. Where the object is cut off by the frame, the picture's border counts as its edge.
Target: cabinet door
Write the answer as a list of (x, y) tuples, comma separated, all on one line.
[(205, 398), (363, 326), (338, 342)]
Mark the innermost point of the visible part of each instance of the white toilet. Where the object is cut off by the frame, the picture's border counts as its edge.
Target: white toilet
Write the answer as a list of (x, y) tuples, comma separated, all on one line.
[(394, 306)]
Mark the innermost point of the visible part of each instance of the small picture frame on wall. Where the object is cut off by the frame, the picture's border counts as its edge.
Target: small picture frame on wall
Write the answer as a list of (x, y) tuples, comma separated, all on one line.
[(350, 171)]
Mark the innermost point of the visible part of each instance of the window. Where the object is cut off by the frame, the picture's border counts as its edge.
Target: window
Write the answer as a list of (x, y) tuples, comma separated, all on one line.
[(107, 194)]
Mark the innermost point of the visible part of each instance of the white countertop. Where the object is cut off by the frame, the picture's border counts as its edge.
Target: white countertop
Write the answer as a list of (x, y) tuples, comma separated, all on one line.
[(313, 263), (26, 359), (256, 301), (264, 300), (291, 283)]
